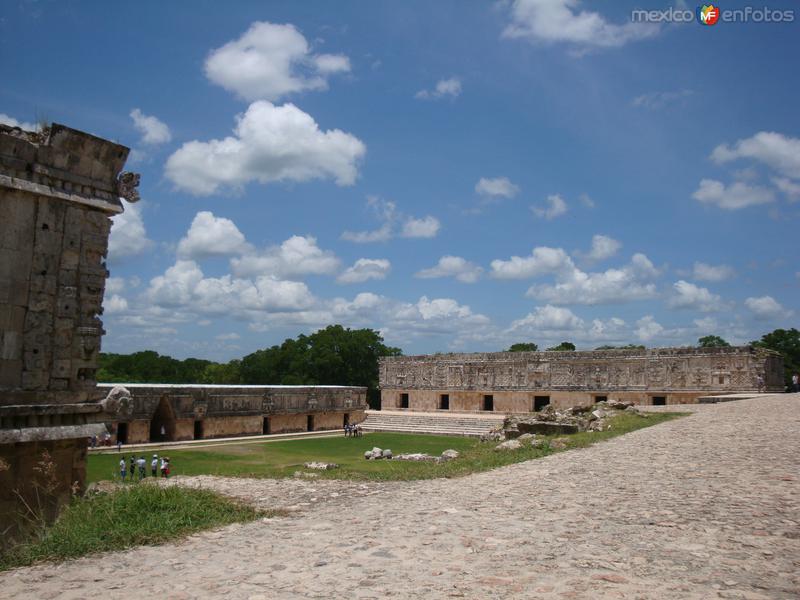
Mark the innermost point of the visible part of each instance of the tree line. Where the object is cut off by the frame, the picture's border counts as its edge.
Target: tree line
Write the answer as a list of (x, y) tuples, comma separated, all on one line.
[(341, 356)]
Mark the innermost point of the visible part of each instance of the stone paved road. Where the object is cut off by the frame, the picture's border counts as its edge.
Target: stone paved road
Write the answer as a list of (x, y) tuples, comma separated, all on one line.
[(707, 506)]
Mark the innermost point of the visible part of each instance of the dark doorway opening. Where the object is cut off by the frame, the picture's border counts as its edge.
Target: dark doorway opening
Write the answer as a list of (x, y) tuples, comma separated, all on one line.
[(488, 402), (346, 420), (539, 402), (162, 425), (265, 427), (310, 423), (122, 433), (600, 399), (403, 400), (444, 402), (659, 400), (198, 430)]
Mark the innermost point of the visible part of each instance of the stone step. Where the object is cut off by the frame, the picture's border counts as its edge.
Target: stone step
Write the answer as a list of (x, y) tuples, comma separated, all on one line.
[(431, 423)]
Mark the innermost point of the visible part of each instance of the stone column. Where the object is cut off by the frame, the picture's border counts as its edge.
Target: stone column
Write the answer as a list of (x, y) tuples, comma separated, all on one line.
[(58, 189)]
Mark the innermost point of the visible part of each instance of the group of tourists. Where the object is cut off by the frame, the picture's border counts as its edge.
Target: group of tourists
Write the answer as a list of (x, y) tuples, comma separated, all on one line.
[(353, 430), (139, 466)]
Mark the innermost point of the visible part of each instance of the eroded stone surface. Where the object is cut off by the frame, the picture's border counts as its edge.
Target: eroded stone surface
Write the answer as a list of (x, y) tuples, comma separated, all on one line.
[(701, 507)]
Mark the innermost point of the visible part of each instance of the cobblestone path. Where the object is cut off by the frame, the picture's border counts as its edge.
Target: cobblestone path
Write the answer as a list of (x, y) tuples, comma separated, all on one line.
[(706, 506)]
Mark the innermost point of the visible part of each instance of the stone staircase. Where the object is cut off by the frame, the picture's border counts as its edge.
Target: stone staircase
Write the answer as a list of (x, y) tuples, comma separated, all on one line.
[(431, 423)]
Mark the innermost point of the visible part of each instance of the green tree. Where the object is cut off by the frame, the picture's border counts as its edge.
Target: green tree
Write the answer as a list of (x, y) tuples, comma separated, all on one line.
[(712, 341), (523, 347), (563, 347), (787, 342)]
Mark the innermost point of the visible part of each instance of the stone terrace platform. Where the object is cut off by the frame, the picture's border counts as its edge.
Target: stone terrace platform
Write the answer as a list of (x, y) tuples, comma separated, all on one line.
[(706, 506)]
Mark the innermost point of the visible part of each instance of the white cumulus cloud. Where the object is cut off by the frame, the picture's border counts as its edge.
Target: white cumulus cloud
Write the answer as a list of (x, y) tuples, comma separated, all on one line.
[(212, 236), (543, 260), (766, 307), (690, 296), (704, 272), (426, 227), (555, 207), (153, 130), (270, 61), (561, 21), (452, 266), (777, 151), (128, 234), (365, 269), (603, 247), (444, 88), (733, 197), (574, 286), (270, 143), (295, 257), (394, 223), (498, 186)]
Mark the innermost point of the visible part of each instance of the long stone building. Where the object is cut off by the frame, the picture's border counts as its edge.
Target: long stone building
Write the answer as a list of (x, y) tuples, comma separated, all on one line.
[(187, 412), (516, 382), (58, 189)]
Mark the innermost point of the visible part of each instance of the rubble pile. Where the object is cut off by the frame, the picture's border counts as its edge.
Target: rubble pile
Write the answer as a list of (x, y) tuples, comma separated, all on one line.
[(552, 421)]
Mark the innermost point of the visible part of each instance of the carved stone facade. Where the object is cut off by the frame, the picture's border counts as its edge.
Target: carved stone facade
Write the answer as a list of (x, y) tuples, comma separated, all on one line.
[(58, 189), (187, 412), (512, 381)]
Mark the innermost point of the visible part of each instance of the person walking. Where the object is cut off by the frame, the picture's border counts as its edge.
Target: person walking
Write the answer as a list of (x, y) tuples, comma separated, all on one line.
[(133, 467), (142, 464), (123, 468), (796, 383), (154, 466), (164, 467)]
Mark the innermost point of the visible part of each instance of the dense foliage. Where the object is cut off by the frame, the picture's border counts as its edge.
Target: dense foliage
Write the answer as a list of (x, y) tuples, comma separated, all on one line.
[(787, 342), (712, 341), (331, 356), (523, 347), (563, 347)]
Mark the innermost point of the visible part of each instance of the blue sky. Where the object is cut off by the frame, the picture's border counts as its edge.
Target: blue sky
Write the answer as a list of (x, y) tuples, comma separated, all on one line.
[(457, 175)]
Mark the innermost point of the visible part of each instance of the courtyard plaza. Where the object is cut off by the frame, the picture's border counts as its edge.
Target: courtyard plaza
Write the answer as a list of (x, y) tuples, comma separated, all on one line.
[(705, 506)]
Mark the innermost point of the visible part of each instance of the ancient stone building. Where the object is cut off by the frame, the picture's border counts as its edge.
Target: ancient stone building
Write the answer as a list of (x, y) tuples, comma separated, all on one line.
[(517, 382), (58, 188), (187, 412)]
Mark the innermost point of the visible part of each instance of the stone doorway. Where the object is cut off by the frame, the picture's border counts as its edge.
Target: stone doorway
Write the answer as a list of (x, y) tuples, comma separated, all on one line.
[(488, 402), (539, 402), (659, 400), (162, 425), (122, 433), (266, 429), (310, 423), (198, 430), (444, 402), (346, 419), (403, 400)]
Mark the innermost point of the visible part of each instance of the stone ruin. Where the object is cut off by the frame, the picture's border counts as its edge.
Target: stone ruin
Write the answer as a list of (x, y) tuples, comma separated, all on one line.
[(58, 189), (553, 421)]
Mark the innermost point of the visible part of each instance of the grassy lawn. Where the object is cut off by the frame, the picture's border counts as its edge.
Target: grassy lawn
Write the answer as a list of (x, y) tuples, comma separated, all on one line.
[(132, 516), (282, 459)]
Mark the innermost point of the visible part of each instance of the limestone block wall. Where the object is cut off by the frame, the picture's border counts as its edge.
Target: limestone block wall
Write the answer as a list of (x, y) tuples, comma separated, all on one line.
[(514, 379), (231, 426), (233, 410)]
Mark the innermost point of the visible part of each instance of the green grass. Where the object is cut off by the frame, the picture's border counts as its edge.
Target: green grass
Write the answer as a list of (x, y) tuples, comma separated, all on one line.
[(282, 459), (132, 516)]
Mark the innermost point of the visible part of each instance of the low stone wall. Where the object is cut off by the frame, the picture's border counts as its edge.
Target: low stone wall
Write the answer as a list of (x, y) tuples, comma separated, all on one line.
[(520, 402)]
